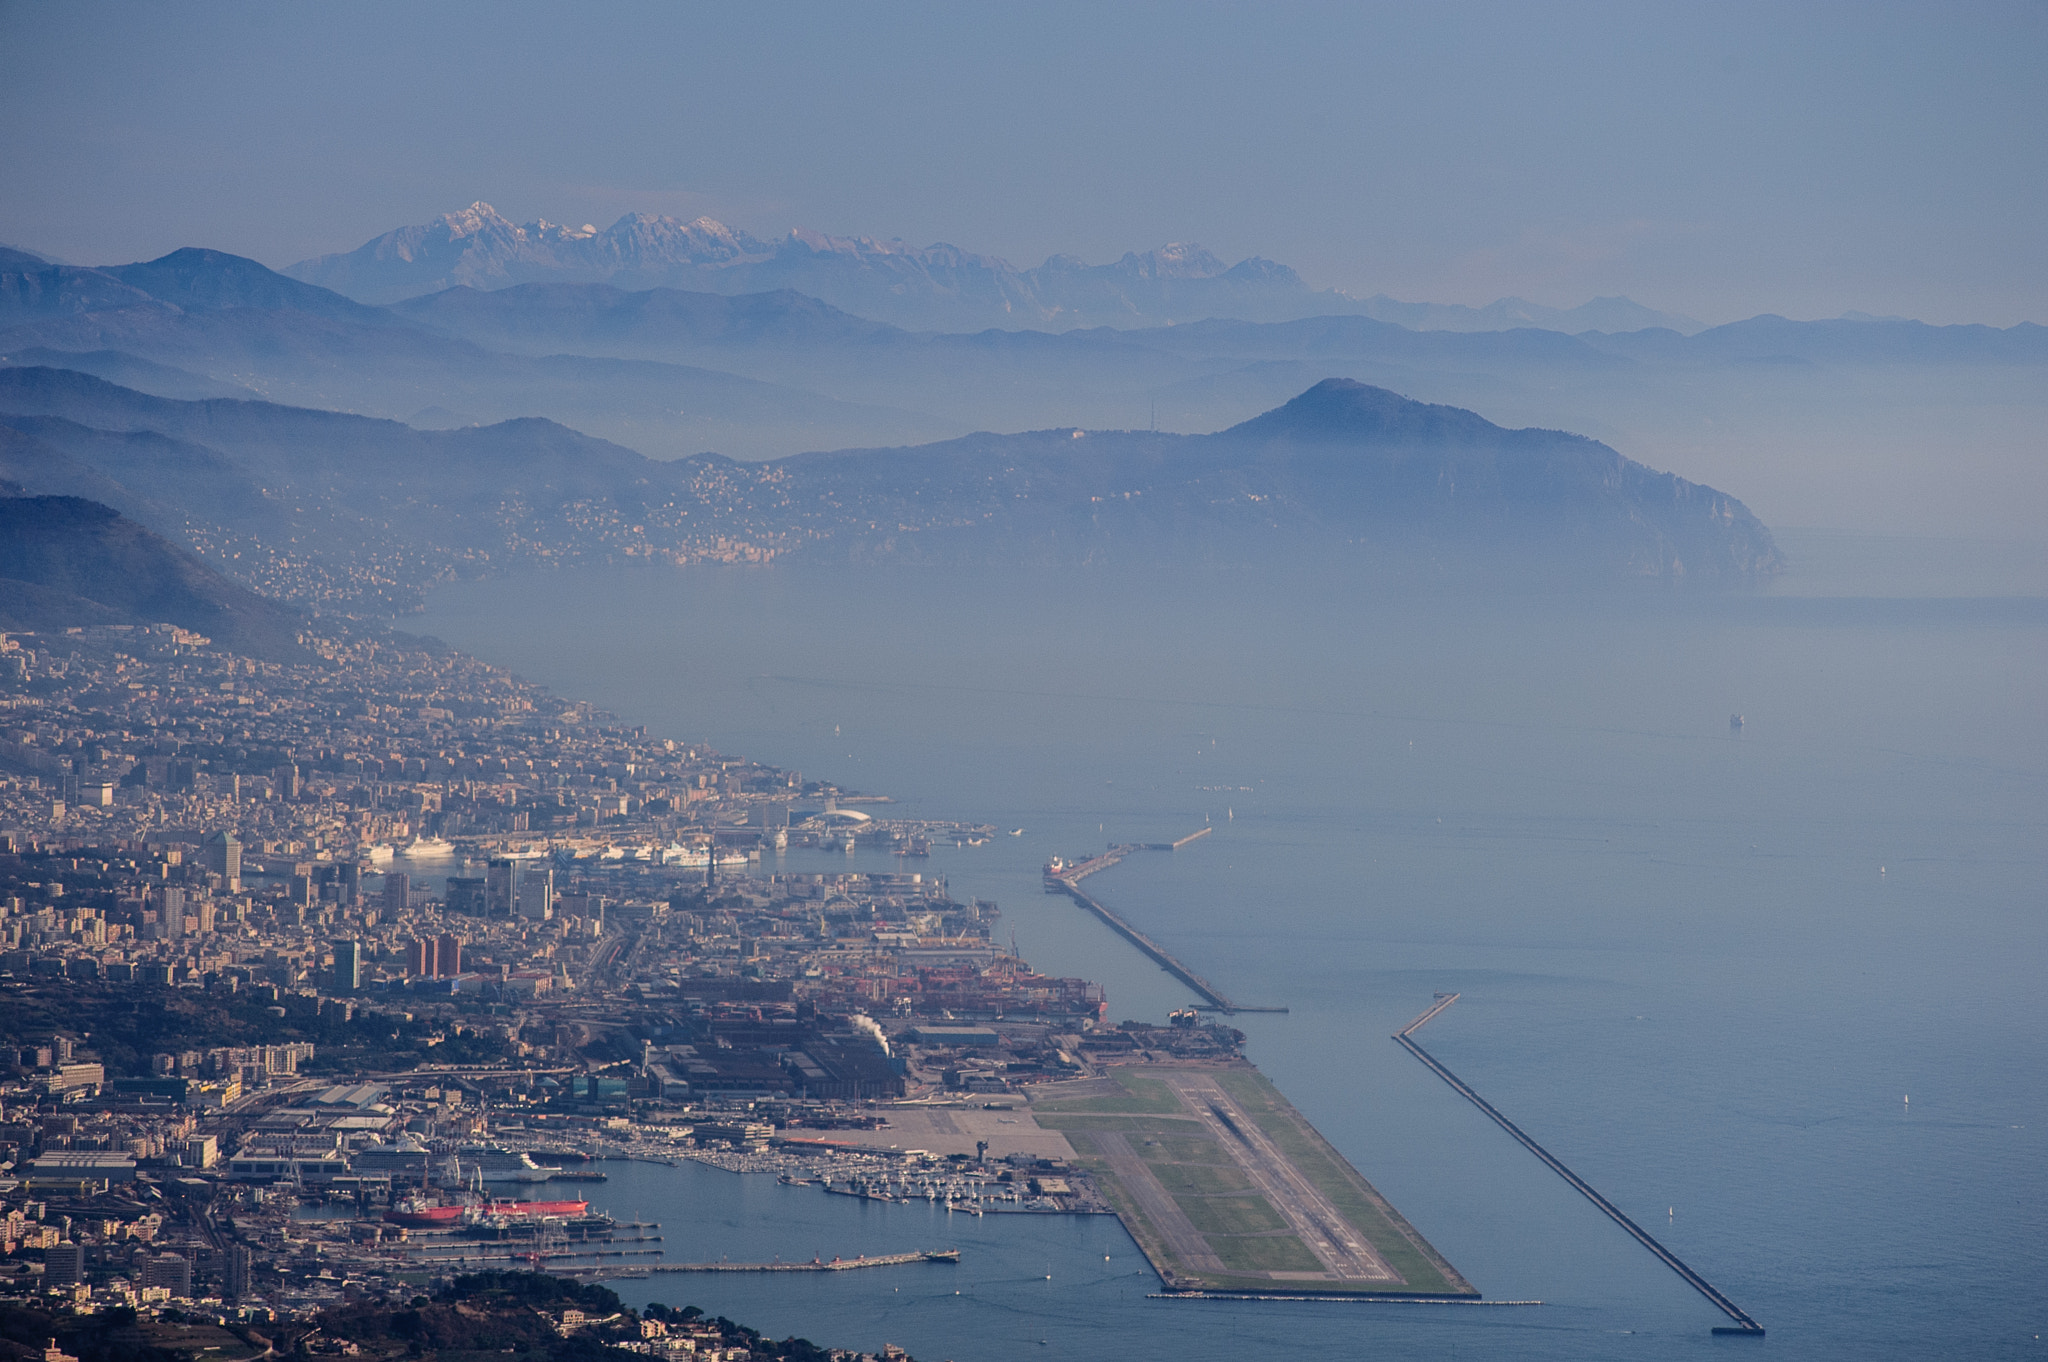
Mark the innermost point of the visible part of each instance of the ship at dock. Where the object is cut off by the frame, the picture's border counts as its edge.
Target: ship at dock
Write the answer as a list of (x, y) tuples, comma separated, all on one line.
[(424, 1213), (468, 1166), (496, 1164)]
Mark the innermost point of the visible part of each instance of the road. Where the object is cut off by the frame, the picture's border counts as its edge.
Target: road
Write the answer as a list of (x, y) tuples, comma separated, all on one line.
[(604, 961)]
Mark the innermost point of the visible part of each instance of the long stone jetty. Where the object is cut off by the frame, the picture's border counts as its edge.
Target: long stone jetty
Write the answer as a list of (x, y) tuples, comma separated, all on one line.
[(1743, 1323), (819, 1264), (1066, 879)]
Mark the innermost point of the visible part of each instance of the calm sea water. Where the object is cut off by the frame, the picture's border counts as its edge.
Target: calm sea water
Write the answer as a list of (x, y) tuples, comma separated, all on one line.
[(1705, 967)]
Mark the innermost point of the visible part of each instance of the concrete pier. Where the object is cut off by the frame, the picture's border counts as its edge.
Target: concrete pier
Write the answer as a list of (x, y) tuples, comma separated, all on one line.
[(1207, 991), (819, 1265), (1066, 879)]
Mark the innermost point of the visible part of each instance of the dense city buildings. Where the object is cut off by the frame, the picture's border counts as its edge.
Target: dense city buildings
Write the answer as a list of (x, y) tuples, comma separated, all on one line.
[(394, 929)]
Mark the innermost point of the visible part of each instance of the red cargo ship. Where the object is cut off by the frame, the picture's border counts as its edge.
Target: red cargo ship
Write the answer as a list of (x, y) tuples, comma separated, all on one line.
[(419, 1214), (514, 1208), (416, 1214)]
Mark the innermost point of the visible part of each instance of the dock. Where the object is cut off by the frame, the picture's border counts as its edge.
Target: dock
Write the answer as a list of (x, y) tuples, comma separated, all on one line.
[(1197, 835), (1081, 870), (457, 1255), (1743, 1323), (819, 1264)]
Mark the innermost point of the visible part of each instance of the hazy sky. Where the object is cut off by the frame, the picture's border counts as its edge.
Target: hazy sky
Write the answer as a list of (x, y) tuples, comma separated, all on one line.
[(1719, 159)]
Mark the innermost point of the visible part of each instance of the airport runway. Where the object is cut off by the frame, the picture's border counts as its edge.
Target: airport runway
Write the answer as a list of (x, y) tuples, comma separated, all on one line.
[(1345, 1254), (1183, 1240)]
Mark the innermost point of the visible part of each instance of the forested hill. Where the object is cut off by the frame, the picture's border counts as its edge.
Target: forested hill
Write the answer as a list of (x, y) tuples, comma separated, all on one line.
[(341, 511), (67, 562), (1343, 471)]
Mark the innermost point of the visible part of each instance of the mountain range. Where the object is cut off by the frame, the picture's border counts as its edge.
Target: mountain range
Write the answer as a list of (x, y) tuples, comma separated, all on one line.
[(208, 318), (326, 509), (1827, 414), (933, 288), (336, 511), (671, 372)]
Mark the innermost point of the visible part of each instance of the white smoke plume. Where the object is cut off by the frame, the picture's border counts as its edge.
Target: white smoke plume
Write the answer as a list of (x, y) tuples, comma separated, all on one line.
[(867, 1024)]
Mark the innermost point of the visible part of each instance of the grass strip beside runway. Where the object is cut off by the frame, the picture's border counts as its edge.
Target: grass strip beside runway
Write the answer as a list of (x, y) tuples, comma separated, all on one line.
[(1227, 1188)]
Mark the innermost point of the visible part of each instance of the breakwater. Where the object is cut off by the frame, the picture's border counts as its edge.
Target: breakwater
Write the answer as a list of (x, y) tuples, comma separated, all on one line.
[(1066, 879), (1197, 835), (459, 1255), (1202, 988), (819, 1264), (1743, 1323)]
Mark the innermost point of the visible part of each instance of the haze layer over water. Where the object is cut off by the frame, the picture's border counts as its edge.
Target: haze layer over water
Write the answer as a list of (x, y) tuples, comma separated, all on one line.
[(1704, 966)]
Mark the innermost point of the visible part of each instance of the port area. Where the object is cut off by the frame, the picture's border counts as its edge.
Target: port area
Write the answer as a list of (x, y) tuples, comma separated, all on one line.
[(1230, 1191)]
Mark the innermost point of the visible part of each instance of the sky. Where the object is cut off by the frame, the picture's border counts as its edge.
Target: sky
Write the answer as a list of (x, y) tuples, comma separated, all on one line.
[(1716, 160)]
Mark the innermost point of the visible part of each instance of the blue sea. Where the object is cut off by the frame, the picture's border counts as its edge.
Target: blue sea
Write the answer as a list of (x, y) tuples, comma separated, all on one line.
[(1779, 991)]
